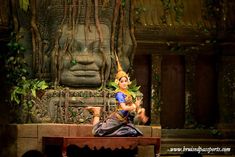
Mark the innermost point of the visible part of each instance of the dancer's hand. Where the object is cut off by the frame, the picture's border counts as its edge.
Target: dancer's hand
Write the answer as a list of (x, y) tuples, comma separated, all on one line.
[(134, 107), (138, 101)]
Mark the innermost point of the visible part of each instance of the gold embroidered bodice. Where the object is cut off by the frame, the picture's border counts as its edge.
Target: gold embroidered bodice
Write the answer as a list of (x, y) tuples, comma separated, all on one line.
[(128, 98)]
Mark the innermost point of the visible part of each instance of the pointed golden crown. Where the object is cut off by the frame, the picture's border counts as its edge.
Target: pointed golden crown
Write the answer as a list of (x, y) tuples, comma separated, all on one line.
[(120, 72)]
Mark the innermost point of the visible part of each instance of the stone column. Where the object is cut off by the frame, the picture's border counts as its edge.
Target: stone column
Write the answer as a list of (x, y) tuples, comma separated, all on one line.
[(155, 89), (190, 62), (226, 96)]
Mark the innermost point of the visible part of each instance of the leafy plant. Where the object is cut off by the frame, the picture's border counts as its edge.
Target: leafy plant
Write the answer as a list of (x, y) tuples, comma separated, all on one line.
[(133, 88), (27, 88), (23, 86), (24, 5), (216, 132), (112, 85), (16, 66)]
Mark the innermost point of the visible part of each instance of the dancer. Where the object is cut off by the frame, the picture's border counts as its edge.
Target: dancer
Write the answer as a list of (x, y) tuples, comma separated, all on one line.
[(120, 122)]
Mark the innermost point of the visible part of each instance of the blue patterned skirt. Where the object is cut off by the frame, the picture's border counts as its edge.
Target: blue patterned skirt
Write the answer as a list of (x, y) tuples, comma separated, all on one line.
[(116, 125)]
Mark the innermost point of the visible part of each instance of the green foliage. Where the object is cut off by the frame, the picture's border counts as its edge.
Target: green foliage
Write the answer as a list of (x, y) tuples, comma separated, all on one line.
[(169, 6), (73, 62), (112, 85), (215, 132), (133, 88), (24, 5), (179, 10), (15, 64), (23, 86), (138, 11), (27, 88), (123, 3), (73, 114), (166, 9)]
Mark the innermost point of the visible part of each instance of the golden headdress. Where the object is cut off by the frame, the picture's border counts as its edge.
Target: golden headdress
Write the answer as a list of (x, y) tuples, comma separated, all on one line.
[(120, 72)]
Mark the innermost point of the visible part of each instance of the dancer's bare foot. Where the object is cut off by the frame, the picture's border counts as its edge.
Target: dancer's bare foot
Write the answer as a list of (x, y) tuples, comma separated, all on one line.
[(94, 109), (96, 113)]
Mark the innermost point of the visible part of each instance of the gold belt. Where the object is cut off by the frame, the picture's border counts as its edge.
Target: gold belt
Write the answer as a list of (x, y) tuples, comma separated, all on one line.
[(120, 117)]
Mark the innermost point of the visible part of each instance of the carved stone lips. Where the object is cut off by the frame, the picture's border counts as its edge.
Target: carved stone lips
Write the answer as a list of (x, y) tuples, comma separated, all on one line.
[(87, 73), (82, 67), (81, 70)]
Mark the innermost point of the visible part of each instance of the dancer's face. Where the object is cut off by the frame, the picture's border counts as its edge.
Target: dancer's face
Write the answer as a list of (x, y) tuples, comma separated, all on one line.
[(123, 83)]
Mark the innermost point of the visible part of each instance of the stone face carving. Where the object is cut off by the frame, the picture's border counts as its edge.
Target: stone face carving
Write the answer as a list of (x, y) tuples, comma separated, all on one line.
[(82, 61), (72, 44)]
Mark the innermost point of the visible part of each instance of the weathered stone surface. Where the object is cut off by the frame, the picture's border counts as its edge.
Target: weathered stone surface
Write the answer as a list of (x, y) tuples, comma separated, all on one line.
[(80, 130), (27, 130), (156, 131), (145, 129), (52, 130), (67, 105)]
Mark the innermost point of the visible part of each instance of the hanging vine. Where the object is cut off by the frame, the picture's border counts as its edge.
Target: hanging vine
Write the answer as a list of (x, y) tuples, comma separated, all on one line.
[(122, 28), (15, 16), (97, 23), (114, 21), (74, 12), (166, 10), (132, 30), (36, 39), (174, 7)]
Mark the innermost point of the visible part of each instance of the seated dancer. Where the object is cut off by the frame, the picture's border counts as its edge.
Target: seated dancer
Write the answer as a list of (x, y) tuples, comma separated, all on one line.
[(120, 122)]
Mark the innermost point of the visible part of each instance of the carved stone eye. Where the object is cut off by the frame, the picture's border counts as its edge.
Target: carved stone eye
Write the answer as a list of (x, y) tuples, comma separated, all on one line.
[(94, 46), (77, 46)]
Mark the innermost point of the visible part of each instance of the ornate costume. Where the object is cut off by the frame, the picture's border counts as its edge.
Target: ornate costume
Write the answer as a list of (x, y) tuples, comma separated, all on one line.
[(120, 122)]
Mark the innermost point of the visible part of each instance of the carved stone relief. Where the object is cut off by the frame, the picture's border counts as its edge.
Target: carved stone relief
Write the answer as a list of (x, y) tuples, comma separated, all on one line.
[(72, 44), (68, 106)]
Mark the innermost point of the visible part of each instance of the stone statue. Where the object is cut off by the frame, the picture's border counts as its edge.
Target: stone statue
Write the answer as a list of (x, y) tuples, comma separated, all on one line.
[(72, 44), (73, 41), (82, 60)]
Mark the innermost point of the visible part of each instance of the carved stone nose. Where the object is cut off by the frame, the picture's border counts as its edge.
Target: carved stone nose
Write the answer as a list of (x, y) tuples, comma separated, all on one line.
[(85, 59)]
